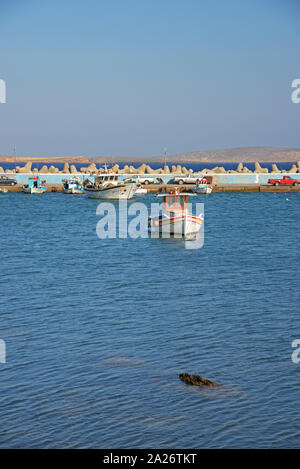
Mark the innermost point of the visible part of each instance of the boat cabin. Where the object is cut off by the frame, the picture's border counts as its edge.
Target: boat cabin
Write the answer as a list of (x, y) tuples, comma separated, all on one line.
[(175, 201), (106, 178), (73, 181), (205, 180), (35, 182)]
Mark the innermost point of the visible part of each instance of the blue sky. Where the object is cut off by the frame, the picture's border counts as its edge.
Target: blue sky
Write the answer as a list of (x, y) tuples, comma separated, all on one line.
[(128, 77)]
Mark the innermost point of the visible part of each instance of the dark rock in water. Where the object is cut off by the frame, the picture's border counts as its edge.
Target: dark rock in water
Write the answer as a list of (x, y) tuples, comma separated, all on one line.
[(196, 380)]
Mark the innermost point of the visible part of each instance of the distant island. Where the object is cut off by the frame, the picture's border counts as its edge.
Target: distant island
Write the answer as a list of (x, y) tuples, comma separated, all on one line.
[(45, 159), (231, 155)]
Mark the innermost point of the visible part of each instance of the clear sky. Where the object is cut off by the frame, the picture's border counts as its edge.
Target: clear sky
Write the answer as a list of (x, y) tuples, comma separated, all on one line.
[(130, 77)]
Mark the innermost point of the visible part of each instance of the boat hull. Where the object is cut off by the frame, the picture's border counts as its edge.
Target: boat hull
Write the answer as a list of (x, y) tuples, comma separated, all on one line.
[(203, 189), (142, 191), (33, 190), (73, 191), (182, 226), (117, 192)]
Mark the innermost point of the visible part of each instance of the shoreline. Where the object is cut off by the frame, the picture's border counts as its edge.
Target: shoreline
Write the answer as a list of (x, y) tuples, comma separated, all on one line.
[(221, 183), (156, 188)]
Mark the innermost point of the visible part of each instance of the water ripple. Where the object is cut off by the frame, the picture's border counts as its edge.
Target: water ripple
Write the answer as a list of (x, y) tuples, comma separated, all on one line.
[(98, 331)]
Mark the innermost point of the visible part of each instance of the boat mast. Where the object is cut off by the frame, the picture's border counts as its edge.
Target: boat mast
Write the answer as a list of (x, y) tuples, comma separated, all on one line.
[(15, 159)]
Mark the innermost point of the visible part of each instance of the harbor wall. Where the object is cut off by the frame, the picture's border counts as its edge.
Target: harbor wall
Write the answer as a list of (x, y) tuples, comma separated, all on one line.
[(240, 179)]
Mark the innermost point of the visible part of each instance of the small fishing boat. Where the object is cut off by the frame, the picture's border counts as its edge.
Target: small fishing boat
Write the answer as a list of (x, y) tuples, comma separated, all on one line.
[(176, 219), (202, 187), (72, 186), (108, 185), (142, 191), (34, 186)]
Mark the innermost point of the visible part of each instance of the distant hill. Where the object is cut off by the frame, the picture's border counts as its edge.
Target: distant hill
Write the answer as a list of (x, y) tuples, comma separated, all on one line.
[(231, 155), (237, 155), (44, 159)]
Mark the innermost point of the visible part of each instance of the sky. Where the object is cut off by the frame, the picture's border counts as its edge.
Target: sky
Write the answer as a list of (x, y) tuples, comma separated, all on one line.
[(132, 77)]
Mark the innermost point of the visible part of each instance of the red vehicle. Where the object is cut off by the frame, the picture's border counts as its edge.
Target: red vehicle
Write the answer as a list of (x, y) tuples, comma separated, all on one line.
[(284, 180)]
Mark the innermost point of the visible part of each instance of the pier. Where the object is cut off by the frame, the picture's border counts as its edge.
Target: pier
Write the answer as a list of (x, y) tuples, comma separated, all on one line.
[(155, 188), (227, 188)]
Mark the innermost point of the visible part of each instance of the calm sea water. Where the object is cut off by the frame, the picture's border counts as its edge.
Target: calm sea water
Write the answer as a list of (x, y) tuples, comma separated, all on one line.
[(97, 331)]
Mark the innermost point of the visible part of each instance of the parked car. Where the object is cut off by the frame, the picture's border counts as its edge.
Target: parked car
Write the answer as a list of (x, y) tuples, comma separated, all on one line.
[(6, 181), (284, 180), (185, 179), (146, 180)]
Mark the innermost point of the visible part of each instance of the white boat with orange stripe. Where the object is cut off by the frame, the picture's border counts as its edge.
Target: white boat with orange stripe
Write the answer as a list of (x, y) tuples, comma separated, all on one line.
[(176, 219)]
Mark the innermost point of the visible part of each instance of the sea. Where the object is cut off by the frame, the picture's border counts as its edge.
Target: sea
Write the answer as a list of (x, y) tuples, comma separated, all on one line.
[(96, 331), (195, 166)]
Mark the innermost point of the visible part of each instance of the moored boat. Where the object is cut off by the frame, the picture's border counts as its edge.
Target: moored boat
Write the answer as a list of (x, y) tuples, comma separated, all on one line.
[(142, 191), (107, 185), (202, 187), (176, 219), (73, 186), (34, 186)]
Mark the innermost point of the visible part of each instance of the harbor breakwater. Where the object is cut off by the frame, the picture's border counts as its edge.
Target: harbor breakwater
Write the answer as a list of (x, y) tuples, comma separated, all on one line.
[(221, 177)]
